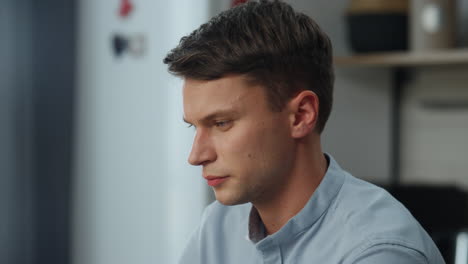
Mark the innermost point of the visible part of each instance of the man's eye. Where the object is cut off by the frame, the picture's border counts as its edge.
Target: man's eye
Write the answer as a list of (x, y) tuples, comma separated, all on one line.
[(222, 123)]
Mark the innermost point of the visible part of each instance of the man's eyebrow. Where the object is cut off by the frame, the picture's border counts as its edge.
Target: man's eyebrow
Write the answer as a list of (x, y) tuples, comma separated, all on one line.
[(214, 115)]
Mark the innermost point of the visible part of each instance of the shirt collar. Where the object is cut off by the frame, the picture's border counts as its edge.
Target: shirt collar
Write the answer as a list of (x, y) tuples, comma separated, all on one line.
[(317, 205), (256, 227)]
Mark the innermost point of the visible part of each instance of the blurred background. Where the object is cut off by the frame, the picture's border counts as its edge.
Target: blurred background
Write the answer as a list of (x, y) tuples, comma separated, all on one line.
[(93, 148)]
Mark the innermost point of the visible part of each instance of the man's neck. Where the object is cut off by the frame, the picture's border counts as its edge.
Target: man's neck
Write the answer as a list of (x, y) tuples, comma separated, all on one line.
[(309, 170)]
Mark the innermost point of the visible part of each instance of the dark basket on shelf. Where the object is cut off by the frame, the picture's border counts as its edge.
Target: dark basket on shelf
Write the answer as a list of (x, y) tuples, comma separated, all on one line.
[(374, 32)]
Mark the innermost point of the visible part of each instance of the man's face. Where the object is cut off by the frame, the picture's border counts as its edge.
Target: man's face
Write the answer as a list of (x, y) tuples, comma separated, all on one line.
[(245, 148)]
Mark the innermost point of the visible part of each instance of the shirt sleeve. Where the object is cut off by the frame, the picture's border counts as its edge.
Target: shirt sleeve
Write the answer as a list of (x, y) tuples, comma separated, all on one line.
[(390, 254)]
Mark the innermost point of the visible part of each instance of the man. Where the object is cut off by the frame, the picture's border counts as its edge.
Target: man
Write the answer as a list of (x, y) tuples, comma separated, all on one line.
[(258, 82)]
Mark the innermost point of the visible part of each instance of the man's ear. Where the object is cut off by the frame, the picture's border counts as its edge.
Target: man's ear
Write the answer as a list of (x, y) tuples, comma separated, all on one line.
[(304, 109)]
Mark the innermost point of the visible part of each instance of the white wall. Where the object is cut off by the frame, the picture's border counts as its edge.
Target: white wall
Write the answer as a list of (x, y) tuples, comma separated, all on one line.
[(435, 139), (136, 198)]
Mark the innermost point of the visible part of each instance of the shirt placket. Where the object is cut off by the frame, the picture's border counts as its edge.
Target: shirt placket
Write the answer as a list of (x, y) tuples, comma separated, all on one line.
[(271, 253)]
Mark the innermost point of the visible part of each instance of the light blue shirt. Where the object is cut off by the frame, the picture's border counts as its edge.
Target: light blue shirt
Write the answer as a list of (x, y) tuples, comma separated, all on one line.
[(346, 220)]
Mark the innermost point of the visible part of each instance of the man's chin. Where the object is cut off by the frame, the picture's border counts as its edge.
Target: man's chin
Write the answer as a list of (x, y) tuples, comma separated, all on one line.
[(229, 200)]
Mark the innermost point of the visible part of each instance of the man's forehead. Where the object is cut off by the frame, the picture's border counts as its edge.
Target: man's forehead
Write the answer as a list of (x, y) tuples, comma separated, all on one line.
[(227, 90), (229, 94), (205, 111)]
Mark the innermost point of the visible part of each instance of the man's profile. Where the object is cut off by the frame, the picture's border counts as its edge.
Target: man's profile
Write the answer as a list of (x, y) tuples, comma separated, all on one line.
[(258, 84)]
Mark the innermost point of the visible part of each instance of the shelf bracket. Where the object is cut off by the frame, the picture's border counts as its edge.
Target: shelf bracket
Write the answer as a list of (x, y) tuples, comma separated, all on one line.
[(400, 77)]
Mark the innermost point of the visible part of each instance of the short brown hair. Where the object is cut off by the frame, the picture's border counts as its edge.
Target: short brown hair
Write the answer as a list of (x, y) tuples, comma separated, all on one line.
[(283, 50)]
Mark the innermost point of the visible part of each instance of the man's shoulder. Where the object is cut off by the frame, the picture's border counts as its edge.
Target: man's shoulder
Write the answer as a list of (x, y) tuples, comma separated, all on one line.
[(372, 217), (367, 203)]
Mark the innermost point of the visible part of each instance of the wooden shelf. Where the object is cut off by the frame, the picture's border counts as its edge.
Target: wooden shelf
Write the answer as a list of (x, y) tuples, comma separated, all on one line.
[(437, 57)]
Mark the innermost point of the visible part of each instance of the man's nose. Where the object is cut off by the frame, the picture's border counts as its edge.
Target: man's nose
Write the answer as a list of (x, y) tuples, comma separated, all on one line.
[(202, 149)]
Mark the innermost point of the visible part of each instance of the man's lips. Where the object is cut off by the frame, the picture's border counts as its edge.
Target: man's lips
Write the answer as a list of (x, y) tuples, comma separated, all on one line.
[(215, 180)]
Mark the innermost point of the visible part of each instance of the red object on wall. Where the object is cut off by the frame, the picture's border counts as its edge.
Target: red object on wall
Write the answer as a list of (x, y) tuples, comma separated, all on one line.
[(238, 2), (126, 8)]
